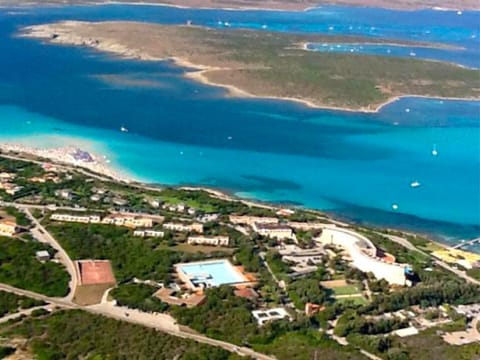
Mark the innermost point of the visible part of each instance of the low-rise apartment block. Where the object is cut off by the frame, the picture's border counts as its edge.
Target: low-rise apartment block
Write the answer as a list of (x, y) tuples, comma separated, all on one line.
[(8, 226), (252, 220), (209, 240), (195, 227), (128, 220), (148, 233), (86, 219), (278, 231)]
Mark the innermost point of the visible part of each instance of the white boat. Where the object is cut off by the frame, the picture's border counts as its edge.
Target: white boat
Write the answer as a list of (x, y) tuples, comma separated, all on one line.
[(434, 150), (459, 12), (415, 184), (395, 207), (123, 129), (412, 54), (264, 26)]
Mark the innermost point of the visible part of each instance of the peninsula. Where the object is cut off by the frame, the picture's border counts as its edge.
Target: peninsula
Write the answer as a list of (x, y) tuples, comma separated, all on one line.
[(272, 65)]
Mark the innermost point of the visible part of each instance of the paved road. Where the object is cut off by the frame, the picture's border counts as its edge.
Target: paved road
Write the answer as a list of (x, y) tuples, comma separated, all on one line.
[(25, 312), (44, 236), (119, 314)]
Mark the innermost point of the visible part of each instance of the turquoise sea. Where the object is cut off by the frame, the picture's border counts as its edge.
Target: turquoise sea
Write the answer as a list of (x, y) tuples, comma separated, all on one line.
[(181, 132)]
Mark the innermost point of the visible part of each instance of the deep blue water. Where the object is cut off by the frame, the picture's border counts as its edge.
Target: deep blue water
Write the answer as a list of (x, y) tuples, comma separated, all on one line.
[(354, 165)]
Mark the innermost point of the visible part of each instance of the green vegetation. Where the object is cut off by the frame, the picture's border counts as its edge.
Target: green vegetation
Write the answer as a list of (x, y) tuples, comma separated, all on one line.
[(20, 217), (79, 335), (11, 303), (20, 268), (223, 316), (475, 273), (306, 345), (227, 317), (302, 291), (350, 323), (138, 296), (130, 256)]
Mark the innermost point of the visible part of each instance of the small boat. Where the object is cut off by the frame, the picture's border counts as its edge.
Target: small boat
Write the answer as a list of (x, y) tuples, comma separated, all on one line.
[(229, 138), (412, 54), (459, 12), (415, 184), (395, 207), (407, 110), (227, 24), (264, 26), (123, 129), (434, 150)]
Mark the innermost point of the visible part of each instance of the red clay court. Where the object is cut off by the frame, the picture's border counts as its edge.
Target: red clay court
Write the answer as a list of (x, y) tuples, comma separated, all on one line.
[(94, 272)]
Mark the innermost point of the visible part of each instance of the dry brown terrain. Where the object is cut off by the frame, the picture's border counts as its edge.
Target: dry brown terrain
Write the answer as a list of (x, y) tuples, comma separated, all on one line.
[(294, 5), (272, 65)]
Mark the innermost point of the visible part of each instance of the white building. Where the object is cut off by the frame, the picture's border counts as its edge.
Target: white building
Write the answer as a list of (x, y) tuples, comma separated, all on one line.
[(364, 254), (42, 255), (195, 227), (252, 220), (264, 316), (86, 219), (209, 240), (128, 220), (278, 231), (148, 233)]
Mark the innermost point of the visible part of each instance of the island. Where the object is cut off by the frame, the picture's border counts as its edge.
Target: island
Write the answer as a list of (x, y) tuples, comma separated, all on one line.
[(271, 64)]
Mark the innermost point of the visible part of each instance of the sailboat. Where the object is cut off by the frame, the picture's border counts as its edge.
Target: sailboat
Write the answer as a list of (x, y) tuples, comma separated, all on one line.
[(415, 184), (434, 150)]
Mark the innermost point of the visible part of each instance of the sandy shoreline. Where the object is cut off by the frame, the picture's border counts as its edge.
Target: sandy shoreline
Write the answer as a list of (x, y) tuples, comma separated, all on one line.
[(65, 155)]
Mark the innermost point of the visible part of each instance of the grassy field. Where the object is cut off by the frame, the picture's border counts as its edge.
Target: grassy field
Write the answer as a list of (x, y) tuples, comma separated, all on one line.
[(275, 64), (345, 290)]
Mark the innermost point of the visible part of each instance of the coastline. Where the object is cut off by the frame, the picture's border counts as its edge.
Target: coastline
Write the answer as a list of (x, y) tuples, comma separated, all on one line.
[(104, 171), (199, 72)]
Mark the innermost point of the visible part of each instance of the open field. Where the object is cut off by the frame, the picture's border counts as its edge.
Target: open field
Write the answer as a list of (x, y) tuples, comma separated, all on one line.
[(346, 290), (90, 294), (272, 65)]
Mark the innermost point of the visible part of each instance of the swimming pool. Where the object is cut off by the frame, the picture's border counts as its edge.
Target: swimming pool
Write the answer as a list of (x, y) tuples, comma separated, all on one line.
[(212, 273)]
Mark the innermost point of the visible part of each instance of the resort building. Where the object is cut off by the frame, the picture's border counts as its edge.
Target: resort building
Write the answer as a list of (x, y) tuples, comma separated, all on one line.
[(42, 255), (364, 255), (209, 240), (252, 220), (8, 225), (10, 188), (195, 227), (264, 316), (285, 212), (86, 219), (128, 220), (278, 231), (200, 275), (4, 176), (305, 226), (148, 233), (189, 300), (64, 194)]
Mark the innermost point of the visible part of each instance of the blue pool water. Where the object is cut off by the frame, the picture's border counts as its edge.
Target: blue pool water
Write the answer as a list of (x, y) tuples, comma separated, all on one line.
[(180, 132), (214, 273)]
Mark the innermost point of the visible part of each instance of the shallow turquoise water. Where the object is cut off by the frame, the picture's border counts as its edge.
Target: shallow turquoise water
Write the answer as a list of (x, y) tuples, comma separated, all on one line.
[(180, 132)]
